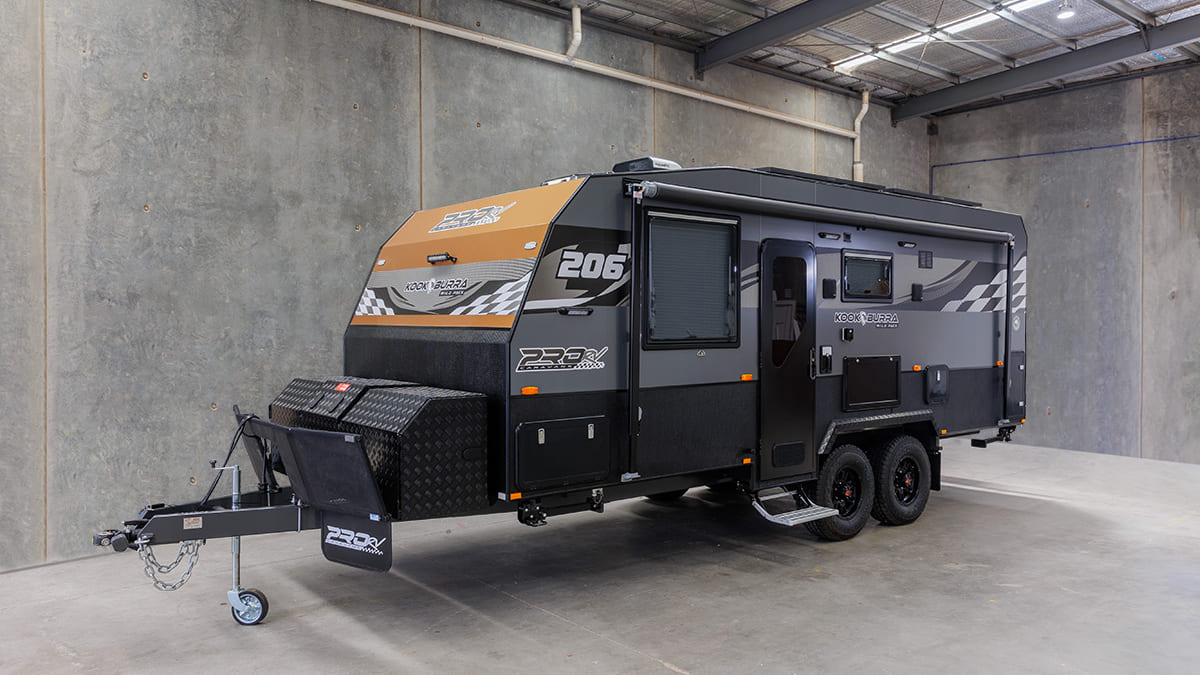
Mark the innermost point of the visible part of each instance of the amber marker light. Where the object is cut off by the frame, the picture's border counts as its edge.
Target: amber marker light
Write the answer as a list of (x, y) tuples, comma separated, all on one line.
[(529, 391), (943, 432), (746, 377), (916, 369), (515, 496), (746, 460), (999, 363)]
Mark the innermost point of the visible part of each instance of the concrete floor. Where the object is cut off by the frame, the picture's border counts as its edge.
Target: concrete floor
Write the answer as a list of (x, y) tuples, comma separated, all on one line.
[(1029, 560)]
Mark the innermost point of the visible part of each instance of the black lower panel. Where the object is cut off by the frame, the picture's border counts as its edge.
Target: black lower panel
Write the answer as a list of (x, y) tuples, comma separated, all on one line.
[(563, 452), (567, 457), (974, 400), (695, 428)]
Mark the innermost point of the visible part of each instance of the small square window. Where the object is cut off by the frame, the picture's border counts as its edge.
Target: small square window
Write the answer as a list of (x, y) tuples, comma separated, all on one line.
[(866, 276)]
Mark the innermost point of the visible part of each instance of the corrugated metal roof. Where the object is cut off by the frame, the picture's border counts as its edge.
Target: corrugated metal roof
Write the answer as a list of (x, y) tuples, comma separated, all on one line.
[(1032, 32)]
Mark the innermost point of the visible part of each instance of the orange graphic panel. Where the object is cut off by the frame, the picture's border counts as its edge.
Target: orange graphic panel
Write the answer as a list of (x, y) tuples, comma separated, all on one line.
[(484, 252)]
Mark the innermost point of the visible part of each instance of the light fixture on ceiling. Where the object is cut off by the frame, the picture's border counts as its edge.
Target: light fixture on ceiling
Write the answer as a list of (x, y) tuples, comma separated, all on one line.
[(1066, 9)]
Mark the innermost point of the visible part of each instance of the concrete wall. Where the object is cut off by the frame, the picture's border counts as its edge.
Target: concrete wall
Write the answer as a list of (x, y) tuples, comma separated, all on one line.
[(1114, 236), (22, 288), (217, 176)]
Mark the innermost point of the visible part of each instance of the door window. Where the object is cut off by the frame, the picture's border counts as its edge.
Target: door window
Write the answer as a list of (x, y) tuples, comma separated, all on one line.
[(789, 292)]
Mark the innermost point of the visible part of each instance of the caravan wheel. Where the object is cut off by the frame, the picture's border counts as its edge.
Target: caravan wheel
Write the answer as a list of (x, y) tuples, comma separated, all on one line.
[(902, 481), (845, 483)]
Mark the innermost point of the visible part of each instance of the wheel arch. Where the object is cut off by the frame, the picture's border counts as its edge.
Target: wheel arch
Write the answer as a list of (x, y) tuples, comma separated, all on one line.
[(874, 439)]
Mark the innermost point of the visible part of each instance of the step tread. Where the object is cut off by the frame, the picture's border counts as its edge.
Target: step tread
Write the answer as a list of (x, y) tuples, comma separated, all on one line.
[(792, 518)]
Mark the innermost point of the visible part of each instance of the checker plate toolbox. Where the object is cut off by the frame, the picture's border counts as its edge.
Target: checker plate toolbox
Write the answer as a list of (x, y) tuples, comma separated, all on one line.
[(426, 446), (802, 343)]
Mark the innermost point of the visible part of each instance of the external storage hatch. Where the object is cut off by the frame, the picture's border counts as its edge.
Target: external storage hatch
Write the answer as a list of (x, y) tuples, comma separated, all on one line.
[(426, 446)]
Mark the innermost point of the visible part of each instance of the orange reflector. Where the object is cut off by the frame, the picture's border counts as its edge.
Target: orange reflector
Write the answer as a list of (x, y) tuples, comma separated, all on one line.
[(999, 363), (943, 432), (746, 377), (1022, 420), (746, 460), (515, 496), (529, 391), (917, 368)]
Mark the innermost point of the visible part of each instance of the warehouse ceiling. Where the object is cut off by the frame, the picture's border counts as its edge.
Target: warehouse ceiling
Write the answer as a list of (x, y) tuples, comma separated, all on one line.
[(923, 57)]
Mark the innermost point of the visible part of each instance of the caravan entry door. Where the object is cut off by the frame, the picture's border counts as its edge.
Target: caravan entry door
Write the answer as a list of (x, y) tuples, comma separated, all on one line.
[(787, 312)]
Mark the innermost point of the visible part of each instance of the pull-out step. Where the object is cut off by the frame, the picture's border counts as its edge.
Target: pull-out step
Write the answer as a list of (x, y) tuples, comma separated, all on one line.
[(806, 513)]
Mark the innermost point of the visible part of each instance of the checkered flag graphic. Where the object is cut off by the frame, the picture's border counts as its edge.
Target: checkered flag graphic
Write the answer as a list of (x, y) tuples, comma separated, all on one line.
[(989, 297), (371, 305), (503, 301)]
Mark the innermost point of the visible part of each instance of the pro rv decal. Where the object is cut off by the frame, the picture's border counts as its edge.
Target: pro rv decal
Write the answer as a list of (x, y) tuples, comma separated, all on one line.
[(561, 358), (355, 541), (877, 319), (470, 218)]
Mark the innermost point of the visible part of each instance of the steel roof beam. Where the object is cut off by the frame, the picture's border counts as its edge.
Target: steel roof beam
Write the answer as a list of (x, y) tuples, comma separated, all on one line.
[(1140, 18), (781, 27), (1131, 13), (1106, 53)]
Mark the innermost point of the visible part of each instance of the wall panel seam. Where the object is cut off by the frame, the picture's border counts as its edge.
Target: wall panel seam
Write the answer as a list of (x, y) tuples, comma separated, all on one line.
[(420, 110), (45, 297), (1142, 273)]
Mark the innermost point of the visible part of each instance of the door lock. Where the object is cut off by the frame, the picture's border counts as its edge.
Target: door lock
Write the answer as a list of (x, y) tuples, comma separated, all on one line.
[(826, 359)]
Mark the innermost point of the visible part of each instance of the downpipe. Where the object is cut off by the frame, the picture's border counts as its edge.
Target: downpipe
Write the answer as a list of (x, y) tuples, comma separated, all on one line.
[(862, 113), (576, 30)]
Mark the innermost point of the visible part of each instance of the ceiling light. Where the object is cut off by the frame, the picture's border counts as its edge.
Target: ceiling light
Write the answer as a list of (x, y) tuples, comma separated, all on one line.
[(1026, 4), (973, 22), (847, 66), (1066, 9), (907, 44)]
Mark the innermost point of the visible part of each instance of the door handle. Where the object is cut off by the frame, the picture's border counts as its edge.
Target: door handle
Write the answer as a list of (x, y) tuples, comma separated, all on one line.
[(812, 363)]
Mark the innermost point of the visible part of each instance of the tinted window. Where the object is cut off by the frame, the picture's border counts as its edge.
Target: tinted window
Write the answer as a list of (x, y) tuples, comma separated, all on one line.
[(789, 278), (866, 276), (692, 286)]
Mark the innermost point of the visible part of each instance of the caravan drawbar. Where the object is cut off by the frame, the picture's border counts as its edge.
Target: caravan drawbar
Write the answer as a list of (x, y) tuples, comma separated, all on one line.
[(804, 341)]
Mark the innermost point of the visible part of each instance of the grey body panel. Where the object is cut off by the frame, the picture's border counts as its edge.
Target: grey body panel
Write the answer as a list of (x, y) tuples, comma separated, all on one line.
[(959, 320)]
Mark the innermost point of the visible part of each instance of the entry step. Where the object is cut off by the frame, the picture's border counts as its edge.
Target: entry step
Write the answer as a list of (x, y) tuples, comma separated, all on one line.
[(805, 514)]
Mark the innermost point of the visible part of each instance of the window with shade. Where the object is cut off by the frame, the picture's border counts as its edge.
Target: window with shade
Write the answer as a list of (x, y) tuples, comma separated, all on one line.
[(866, 276), (692, 289)]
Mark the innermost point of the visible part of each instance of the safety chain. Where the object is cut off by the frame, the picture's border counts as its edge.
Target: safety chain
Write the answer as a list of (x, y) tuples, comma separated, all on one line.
[(190, 549)]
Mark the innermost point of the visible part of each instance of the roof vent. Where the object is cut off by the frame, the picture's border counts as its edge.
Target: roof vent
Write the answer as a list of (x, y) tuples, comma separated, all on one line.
[(645, 164)]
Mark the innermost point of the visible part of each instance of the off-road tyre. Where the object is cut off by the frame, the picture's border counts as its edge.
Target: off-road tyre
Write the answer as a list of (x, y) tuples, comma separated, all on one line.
[(902, 479), (846, 483)]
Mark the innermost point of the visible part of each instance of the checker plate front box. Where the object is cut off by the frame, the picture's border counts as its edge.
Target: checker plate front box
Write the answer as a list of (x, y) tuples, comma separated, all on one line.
[(426, 446)]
